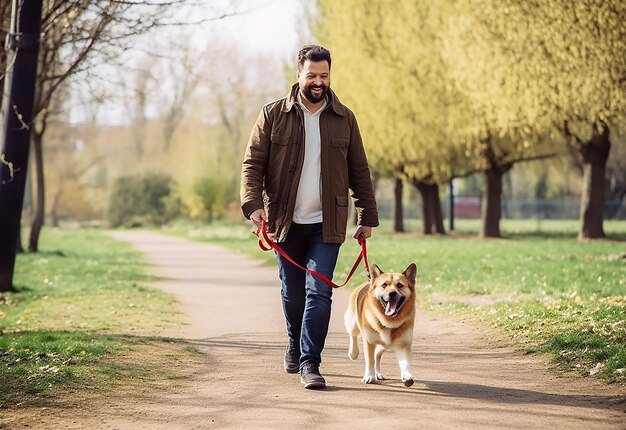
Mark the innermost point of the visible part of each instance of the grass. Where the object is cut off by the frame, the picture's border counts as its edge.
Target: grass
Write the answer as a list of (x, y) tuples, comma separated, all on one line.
[(78, 303), (538, 285)]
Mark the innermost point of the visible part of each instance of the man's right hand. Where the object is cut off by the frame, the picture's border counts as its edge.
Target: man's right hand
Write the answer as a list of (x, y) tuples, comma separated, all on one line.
[(257, 216)]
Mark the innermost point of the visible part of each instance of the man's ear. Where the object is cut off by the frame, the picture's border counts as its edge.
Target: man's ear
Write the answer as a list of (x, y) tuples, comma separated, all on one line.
[(411, 273)]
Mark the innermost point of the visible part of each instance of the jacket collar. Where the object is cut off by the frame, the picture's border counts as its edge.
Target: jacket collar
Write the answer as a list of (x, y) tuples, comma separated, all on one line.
[(333, 101)]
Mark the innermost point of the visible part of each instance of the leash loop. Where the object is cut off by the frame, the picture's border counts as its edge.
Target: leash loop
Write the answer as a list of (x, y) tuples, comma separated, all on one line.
[(270, 244)]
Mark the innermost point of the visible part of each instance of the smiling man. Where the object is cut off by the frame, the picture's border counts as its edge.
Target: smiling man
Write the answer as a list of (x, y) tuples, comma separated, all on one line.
[(304, 155)]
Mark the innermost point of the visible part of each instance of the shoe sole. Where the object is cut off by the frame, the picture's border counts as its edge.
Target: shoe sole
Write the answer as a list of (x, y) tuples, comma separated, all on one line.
[(292, 370), (313, 384)]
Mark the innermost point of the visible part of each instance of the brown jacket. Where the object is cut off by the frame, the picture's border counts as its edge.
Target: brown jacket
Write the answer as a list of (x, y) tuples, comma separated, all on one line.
[(273, 163)]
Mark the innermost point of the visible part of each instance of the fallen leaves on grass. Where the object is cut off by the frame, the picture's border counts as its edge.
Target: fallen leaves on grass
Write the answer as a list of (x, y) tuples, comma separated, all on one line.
[(598, 367), (11, 357)]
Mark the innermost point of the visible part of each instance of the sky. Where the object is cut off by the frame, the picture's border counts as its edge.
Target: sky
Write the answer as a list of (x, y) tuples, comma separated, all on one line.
[(272, 29), (273, 26)]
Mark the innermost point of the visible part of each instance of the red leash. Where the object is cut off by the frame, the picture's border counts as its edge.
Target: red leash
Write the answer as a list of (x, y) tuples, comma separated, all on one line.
[(272, 245)]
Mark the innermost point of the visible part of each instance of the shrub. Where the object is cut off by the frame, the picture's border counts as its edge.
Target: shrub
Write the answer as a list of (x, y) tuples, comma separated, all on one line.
[(142, 199), (210, 192)]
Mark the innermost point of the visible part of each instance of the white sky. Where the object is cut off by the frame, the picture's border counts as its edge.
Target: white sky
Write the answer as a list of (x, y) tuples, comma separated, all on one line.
[(272, 28)]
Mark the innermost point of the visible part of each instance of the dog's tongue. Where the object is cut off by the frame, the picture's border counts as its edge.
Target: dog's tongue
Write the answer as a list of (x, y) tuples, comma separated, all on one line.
[(390, 309)]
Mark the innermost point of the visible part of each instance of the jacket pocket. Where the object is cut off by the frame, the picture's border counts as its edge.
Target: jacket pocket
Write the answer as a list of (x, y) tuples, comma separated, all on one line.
[(339, 142), (279, 139), (341, 214)]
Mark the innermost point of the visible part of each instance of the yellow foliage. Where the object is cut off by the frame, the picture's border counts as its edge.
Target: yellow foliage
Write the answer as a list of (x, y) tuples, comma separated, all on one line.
[(432, 82)]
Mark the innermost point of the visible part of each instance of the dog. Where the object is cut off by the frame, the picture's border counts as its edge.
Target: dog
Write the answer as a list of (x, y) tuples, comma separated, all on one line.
[(382, 311)]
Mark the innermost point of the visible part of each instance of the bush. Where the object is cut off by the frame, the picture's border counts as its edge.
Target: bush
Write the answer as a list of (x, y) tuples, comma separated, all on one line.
[(210, 191), (142, 199)]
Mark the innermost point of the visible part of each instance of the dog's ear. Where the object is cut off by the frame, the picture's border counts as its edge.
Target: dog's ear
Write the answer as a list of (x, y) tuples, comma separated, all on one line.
[(411, 273), (375, 271)]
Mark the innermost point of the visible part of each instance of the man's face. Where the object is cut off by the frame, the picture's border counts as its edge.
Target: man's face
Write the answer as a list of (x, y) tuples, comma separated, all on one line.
[(314, 80)]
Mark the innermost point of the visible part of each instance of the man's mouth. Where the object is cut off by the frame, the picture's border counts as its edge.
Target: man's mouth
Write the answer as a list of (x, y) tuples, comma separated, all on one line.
[(392, 307)]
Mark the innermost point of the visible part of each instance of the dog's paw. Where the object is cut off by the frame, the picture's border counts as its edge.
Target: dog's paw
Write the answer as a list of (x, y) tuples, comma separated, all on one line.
[(369, 379), (379, 376), (407, 379)]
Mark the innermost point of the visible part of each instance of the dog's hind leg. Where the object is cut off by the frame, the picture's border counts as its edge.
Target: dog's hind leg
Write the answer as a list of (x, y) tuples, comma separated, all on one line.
[(377, 355), (353, 331), (353, 352), (404, 360)]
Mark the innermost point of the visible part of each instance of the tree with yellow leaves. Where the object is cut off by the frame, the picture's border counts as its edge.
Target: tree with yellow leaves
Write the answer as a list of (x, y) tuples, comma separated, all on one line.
[(536, 69), (393, 75), (450, 87)]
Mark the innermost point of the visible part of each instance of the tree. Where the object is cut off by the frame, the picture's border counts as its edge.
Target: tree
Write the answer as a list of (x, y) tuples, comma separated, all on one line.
[(398, 219), (79, 36), (210, 192), (17, 112), (484, 42), (401, 100), (552, 66), (184, 76), (137, 108)]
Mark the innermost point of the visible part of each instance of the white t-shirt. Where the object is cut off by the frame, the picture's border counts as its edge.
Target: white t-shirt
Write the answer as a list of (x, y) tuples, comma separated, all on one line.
[(308, 208)]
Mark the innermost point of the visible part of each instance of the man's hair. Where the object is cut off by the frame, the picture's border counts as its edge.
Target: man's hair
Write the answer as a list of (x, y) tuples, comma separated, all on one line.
[(313, 53)]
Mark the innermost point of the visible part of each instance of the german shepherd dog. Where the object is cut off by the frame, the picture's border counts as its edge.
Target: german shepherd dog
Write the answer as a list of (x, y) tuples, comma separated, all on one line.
[(382, 311)]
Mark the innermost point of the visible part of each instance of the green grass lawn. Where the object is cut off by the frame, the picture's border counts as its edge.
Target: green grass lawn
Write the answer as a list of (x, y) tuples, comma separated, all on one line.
[(79, 301), (538, 285)]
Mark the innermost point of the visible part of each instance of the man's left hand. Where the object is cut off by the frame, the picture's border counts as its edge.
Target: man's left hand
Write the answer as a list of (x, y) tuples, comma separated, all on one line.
[(362, 230)]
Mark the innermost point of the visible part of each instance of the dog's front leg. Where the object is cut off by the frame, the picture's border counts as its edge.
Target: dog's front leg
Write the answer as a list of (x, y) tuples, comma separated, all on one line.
[(377, 356), (404, 360), (368, 351)]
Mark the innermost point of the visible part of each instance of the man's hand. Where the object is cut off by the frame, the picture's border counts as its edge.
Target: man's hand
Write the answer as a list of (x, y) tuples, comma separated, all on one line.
[(257, 216), (362, 230)]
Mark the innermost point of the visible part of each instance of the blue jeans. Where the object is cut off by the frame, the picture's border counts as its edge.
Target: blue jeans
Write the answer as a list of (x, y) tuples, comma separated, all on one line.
[(306, 299)]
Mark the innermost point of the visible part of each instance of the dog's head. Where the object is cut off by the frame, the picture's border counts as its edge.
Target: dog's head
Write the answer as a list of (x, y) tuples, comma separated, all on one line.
[(393, 290)]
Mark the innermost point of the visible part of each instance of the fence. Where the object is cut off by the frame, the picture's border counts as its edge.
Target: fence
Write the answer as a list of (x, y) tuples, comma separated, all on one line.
[(470, 207)]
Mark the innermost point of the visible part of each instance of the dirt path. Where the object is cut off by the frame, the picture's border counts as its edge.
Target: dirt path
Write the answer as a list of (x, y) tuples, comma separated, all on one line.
[(235, 319)]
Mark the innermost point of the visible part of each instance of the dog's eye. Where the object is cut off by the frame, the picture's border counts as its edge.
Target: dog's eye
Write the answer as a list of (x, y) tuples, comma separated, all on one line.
[(384, 285), (399, 285)]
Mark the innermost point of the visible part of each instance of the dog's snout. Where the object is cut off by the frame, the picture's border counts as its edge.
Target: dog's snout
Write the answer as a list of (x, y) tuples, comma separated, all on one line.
[(393, 294)]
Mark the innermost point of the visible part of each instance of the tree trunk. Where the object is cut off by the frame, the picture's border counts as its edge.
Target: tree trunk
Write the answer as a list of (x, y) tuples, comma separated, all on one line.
[(398, 219), (492, 198), (27, 208), (54, 210), (432, 214), (40, 203), (438, 212), (19, 249), (427, 220), (595, 154), (17, 102)]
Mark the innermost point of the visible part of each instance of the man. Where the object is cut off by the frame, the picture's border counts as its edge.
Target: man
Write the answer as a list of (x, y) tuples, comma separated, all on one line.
[(304, 154)]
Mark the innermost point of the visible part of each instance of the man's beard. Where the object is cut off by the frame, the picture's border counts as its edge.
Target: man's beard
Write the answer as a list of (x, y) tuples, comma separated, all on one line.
[(308, 93)]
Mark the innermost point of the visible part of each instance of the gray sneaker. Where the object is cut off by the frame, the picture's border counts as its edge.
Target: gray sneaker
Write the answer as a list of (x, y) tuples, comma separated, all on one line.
[(310, 375), (292, 358)]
